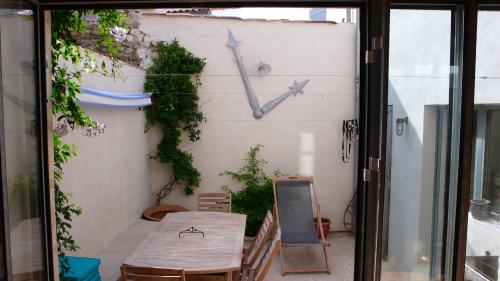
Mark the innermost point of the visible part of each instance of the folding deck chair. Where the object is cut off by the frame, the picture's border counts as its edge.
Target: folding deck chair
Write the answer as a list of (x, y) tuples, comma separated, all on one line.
[(294, 212)]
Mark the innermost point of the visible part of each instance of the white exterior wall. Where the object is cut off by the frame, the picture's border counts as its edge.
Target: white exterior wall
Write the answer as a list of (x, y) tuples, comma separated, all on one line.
[(302, 135), (109, 178), (112, 177), (488, 58)]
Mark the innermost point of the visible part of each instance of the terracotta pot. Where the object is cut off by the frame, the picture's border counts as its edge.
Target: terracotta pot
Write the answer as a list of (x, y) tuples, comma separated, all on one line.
[(325, 224), (156, 213)]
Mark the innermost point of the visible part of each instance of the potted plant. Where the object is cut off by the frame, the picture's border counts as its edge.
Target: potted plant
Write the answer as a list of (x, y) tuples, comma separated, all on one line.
[(325, 224), (257, 196)]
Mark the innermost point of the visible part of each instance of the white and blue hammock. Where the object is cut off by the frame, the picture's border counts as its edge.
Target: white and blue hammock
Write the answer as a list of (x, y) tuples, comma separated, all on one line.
[(103, 98)]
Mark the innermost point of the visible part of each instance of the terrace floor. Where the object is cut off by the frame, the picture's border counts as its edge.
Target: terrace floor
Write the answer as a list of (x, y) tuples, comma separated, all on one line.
[(341, 256)]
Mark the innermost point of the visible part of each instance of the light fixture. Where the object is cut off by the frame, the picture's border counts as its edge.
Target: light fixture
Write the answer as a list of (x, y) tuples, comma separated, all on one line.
[(400, 125), (262, 69)]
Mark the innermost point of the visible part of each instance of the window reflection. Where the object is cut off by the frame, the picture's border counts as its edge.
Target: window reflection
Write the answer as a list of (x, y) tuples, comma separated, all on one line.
[(483, 233), (18, 90), (418, 98)]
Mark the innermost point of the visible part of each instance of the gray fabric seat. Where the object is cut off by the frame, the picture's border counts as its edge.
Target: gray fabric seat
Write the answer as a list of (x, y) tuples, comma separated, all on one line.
[(296, 213)]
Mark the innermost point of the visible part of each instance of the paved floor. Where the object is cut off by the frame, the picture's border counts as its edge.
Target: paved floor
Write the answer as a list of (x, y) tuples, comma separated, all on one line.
[(341, 256)]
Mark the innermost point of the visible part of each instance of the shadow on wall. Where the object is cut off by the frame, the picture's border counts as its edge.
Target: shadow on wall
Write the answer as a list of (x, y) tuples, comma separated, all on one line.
[(416, 197), (403, 236)]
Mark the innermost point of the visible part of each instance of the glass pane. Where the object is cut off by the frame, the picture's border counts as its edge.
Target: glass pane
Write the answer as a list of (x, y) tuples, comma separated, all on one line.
[(483, 234), (419, 91), (21, 142)]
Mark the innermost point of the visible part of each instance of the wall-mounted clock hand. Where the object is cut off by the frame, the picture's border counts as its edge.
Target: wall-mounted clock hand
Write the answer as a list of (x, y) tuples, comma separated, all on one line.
[(294, 90), (252, 98), (259, 111)]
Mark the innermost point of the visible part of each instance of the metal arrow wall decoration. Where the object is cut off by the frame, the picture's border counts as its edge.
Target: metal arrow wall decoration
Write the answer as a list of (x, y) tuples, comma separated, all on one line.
[(259, 111)]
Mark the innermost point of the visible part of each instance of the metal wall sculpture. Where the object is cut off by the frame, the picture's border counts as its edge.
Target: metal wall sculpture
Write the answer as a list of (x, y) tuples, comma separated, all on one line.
[(259, 111)]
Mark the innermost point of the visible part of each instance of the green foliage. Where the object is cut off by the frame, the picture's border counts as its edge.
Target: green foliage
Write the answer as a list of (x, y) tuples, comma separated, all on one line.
[(64, 208), (66, 25), (173, 80), (257, 196)]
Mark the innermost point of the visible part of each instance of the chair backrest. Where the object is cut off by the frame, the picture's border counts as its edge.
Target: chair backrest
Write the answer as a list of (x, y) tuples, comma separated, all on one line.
[(134, 273), (294, 209), (255, 248), (215, 202), (261, 268)]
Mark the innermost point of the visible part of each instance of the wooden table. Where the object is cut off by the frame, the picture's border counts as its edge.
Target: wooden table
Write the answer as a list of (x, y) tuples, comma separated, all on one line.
[(220, 251)]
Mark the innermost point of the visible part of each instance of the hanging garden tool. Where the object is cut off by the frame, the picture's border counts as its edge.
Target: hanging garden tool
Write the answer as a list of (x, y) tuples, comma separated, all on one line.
[(350, 134)]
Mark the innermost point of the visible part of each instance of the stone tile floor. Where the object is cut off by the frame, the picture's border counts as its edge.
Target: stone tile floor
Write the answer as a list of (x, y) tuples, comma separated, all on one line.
[(341, 256)]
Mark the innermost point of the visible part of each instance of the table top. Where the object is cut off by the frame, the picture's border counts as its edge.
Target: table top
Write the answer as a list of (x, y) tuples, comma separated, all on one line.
[(219, 251)]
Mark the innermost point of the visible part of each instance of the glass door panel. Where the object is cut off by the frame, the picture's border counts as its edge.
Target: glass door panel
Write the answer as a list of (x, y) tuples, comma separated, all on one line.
[(419, 95), (483, 233), (21, 151)]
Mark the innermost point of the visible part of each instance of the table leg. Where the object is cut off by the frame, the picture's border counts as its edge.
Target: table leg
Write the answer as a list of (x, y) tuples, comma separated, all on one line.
[(229, 276)]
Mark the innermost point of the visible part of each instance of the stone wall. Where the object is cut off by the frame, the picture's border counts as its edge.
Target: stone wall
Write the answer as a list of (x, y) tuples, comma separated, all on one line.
[(134, 41)]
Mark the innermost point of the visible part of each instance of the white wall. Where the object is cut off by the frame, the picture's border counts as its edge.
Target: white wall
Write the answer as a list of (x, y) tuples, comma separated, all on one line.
[(112, 178), (488, 58), (109, 178), (302, 135)]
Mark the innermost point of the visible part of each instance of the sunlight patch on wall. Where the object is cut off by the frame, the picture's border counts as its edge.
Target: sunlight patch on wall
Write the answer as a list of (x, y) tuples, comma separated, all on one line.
[(306, 155)]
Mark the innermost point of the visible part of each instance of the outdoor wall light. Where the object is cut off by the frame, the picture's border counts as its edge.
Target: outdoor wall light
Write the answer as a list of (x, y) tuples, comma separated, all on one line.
[(400, 125), (262, 69)]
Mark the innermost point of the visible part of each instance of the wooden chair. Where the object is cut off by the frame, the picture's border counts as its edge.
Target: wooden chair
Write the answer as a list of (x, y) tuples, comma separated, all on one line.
[(134, 273), (215, 202), (255, 273), (251, 254), (259, 270)]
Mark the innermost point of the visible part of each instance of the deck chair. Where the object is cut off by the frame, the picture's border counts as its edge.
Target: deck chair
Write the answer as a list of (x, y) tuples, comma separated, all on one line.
[(134, 273), (251, 253), (295, 217), (215, 202)]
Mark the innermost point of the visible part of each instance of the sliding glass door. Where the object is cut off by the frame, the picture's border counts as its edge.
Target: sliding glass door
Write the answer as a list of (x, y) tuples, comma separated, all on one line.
[(483, 229), (22, 233), (419, 95), (420, 143)]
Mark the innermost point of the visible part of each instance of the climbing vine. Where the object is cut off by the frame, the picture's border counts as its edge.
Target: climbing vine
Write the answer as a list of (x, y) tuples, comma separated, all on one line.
[(173, 80), (69, 63)]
